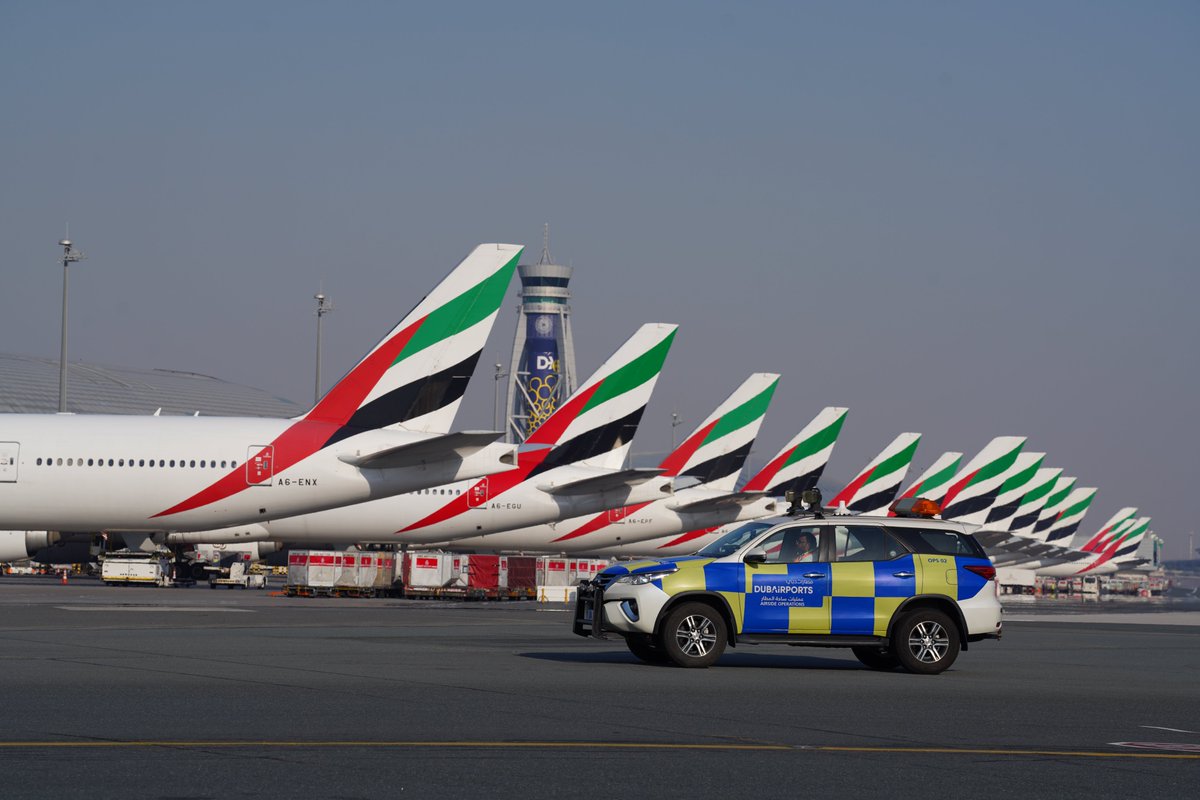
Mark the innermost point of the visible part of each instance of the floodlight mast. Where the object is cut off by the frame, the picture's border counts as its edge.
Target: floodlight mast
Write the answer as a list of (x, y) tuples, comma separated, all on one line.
[(69, 257), (324, 306)]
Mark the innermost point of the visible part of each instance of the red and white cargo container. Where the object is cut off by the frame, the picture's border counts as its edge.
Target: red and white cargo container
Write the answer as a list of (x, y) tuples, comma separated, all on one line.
[(335, 573)]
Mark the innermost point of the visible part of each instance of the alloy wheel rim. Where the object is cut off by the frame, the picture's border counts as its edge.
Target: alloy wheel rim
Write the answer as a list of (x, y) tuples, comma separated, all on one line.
[(696, 636), (929, 642)]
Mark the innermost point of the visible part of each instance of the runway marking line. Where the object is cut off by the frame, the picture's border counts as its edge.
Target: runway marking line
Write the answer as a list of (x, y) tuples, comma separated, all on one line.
[(532, 745)]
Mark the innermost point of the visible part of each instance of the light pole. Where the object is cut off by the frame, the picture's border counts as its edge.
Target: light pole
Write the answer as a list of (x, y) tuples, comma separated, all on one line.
[(675, 423), (500, 375), (69, 257), (324, 306)]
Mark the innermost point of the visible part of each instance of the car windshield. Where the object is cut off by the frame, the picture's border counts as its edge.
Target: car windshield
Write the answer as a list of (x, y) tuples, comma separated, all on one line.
[(730, 542)]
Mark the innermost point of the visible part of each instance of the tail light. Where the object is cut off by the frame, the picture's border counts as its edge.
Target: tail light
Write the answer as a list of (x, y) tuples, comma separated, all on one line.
[(985, 571)]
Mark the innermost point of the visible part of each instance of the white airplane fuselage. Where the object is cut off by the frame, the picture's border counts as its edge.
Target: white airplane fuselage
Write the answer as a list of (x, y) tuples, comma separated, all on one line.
[(101, 472), (592, 534), (469, 512)]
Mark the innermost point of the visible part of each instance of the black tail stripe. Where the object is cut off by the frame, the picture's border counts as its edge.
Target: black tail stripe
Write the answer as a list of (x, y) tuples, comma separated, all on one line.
[(881, 499), (589, 444), (1063, 534), (1043, 524), (721, 466), (801, 483), (1023, 521), (412, 400), (971, 505), (1006, 510)]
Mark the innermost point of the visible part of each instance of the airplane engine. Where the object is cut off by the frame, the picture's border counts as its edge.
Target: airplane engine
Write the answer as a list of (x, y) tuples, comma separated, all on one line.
[(16, 545), (224, 553), (238, 535)]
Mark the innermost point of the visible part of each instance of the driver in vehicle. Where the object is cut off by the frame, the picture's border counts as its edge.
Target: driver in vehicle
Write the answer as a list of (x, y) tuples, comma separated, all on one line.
[(799, 547)]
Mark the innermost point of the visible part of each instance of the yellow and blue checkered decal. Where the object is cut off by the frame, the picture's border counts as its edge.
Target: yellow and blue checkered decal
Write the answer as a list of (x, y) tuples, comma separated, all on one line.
[(846, 597), (854, 597), (949, 575)]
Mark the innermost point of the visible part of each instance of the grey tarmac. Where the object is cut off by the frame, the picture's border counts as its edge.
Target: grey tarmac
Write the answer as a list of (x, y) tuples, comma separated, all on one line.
[(191, 693)]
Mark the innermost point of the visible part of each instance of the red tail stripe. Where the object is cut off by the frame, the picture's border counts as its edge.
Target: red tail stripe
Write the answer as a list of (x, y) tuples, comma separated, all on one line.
[(310, 434), (845, 495), (550, 431), (497, 485), (688, 537), (673, 463), (953, 491), (762, 481), (348, 394), (600, 521)]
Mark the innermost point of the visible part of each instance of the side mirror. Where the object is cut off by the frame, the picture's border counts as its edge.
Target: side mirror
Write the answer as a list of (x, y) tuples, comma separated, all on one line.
[(756, 556)]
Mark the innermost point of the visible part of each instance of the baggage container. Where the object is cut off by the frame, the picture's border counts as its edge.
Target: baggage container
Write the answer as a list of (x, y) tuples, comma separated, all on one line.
[(552, 571), (483, 572), (313, 571), (427, 570), (523, 574), (584, 569)]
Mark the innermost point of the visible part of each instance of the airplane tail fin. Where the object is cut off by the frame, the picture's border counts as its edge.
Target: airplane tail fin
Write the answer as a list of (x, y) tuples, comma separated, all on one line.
[(1121, 547), (1065, 522), (415, 377), (716, 451), (874, 489), (974, 488), (799, 465), (596, 424), (1126, 549), (934, 481), (1016, 482), (1037, 494), (1055, 502), (1117, 524)]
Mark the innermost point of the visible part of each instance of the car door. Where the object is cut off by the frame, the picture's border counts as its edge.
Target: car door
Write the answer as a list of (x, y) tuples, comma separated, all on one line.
[(788, 592), (872, 573)]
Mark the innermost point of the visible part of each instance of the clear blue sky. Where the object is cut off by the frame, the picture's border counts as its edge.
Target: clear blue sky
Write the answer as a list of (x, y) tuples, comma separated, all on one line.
[(965, 219)]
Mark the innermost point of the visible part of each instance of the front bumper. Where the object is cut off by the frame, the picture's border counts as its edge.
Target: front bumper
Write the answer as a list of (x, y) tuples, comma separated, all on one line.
[(589, 611), (616, 608)]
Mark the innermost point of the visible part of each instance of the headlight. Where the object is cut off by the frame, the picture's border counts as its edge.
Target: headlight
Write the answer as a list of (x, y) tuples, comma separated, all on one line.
[(642, 578)]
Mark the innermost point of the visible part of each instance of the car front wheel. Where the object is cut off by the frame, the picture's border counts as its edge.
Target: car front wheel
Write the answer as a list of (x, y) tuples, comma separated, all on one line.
[(693, 635), (925, 642), (876, 657), (645, 648)]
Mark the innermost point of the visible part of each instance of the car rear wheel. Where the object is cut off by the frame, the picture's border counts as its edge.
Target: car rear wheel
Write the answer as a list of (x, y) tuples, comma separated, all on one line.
[(925, 642), (645, 648), (693, 635), (876, 657)]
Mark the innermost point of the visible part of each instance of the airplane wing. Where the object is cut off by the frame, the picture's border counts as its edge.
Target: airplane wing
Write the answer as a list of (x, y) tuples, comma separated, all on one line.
[(992, 539), (424, 451), (604, 482), (1039, 552), (719, 502)]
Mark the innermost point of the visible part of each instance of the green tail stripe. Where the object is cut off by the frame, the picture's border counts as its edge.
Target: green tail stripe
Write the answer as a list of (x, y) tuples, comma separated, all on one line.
[(817, 442), (632, 375), (1078, 508), (1137, 530), (895, 462), (1038, 492), (1059, 496), (939, 479), (998, 466), (748, 412), (472, 306), (1023, 477)]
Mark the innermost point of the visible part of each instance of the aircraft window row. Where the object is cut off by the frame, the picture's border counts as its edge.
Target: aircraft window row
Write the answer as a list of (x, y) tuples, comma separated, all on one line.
[(181, 463), (437, 491)]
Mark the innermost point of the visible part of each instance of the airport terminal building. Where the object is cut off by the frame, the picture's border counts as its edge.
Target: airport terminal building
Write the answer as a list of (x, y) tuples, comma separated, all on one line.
[(29, 385)]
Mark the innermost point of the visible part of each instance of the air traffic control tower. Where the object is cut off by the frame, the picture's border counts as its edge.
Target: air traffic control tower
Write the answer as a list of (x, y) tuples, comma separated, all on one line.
[(542, 370)]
